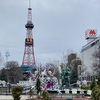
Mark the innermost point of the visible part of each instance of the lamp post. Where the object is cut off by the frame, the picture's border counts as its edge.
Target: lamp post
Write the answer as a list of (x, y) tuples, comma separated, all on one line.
[(7, 54)]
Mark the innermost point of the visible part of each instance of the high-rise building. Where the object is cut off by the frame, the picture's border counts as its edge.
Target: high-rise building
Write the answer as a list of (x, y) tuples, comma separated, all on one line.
[(89, 49)]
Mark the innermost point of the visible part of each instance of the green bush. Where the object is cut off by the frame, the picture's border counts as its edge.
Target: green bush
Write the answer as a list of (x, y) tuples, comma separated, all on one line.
[(93, 84), (45, 95), (96, 93), (85, 87), (16, 92)]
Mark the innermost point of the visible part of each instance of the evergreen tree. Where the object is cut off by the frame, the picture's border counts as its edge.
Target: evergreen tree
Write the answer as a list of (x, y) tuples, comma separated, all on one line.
[(38, 86), (98, 82), (3, 75)]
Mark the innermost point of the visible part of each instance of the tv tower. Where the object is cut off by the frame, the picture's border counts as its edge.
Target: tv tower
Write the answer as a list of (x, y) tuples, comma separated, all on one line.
[(29, 57)]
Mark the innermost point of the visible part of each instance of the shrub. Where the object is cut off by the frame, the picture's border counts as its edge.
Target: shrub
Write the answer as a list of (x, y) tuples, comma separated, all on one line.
[(85, 87), (31, 93), (45, 95), (96, 93), (93, 84), (16, 92)]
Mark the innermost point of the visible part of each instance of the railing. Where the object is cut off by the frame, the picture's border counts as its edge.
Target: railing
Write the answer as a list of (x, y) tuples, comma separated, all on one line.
[(5, 90), (71, 93)]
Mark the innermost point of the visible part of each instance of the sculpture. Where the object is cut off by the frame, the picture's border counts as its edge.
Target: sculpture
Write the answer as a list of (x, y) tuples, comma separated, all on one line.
[(65, 76)]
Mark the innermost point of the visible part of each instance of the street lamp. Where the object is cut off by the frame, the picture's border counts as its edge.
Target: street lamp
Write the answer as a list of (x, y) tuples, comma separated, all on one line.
[(7, 54)]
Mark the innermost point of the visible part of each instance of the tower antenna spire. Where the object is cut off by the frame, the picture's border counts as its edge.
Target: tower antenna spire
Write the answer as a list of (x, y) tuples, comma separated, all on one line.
[(29, 3)]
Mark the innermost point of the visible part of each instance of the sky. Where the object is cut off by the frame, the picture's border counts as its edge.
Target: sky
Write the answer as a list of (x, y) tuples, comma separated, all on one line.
[(59, 26)]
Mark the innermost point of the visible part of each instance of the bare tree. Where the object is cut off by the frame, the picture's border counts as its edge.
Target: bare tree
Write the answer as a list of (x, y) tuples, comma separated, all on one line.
[(1, 59), (14, 72), (65, 56), (54, 68), (96, 63)]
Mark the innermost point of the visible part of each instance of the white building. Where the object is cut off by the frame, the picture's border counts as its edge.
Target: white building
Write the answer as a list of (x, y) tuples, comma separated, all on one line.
[(27, 83), (88, 50), (2, 83)]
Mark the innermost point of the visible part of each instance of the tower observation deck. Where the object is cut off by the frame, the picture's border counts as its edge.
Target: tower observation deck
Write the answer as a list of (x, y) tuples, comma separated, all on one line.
[(28, 62)]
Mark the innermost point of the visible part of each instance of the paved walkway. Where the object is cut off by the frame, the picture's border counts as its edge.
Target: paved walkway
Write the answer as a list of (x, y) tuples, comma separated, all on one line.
[(25, 97), (9, 97)]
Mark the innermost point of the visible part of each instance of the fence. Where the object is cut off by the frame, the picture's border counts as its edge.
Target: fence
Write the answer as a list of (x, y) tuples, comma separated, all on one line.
[(5, 90)]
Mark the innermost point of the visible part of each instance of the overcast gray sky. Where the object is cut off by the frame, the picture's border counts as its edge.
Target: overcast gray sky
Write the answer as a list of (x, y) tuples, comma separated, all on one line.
[(59, 25)]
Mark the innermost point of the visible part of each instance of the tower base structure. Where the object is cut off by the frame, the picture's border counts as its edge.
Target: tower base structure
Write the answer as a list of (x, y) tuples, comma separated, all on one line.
[(28, 71)]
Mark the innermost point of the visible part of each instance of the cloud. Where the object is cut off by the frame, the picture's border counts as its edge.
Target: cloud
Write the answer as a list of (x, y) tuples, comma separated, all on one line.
[(59, 26)]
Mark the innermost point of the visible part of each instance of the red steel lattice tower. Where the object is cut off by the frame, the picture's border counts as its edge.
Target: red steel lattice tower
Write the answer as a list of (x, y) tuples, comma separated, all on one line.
[(29, 57)]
